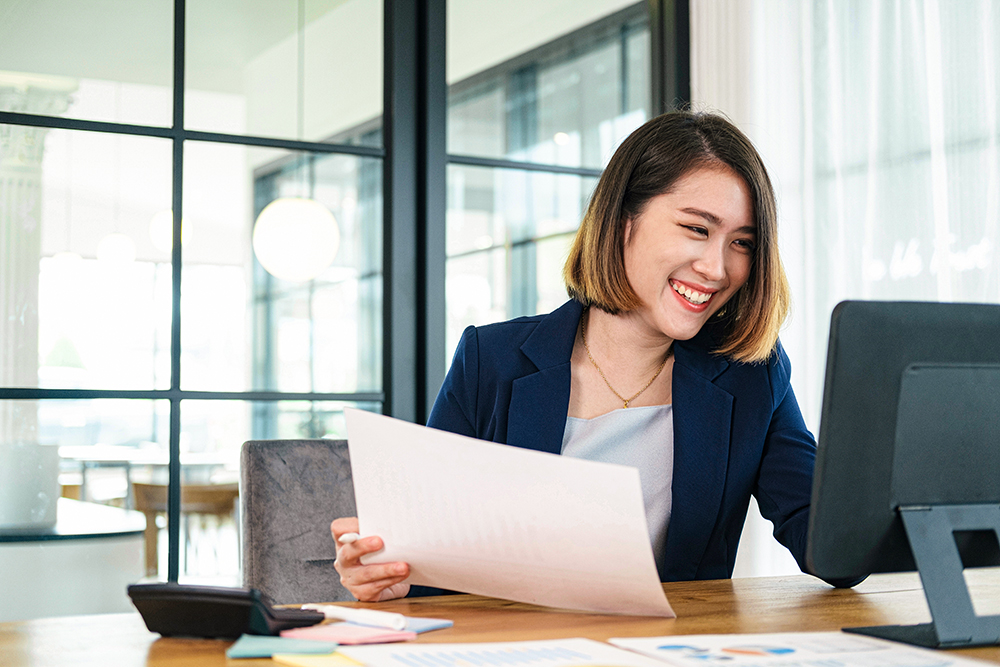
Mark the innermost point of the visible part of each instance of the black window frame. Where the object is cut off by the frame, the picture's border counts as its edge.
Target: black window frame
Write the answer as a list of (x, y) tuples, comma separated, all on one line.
[(414, 163)]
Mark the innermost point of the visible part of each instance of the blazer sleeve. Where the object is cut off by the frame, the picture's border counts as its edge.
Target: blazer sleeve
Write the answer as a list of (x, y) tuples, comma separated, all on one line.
[(455, 406), (784, 484)]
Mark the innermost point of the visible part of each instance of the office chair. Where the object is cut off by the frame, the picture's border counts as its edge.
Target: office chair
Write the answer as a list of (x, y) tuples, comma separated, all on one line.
[(290, 491)]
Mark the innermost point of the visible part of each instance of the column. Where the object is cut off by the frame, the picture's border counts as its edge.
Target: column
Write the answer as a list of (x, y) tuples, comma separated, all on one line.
[(21, 152)]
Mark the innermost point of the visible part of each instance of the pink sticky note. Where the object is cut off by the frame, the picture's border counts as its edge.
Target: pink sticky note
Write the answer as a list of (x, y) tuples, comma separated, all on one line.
[(349, 633)]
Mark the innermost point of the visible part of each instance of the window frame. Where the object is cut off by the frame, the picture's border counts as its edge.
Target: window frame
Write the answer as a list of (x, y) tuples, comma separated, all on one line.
[(414, 162)]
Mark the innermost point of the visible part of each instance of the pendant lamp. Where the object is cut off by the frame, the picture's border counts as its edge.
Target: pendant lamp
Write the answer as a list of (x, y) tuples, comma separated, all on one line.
[(295, 239)]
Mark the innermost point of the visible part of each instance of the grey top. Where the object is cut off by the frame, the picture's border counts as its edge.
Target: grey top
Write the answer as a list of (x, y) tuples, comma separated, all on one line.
[(639, 437)]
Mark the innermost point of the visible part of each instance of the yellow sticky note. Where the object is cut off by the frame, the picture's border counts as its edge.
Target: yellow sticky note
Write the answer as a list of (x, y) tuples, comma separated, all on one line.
[(300, 660)]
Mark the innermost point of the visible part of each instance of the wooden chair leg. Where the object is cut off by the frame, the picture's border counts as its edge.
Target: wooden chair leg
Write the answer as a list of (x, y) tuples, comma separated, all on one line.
[(152, 535)]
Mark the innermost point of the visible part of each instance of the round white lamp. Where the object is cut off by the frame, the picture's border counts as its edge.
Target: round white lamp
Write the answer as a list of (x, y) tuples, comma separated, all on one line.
[(295, 239)]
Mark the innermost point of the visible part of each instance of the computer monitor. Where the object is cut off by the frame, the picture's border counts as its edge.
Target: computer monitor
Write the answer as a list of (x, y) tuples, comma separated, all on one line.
[(908, 461)]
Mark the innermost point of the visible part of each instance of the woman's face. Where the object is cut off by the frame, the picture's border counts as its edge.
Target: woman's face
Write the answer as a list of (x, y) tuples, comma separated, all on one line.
[(689, 251)]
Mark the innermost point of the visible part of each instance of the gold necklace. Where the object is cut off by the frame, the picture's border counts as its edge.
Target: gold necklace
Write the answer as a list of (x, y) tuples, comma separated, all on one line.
[(625, 401)]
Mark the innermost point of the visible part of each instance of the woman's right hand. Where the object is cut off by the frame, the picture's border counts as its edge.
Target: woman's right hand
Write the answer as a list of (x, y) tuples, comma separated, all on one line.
[(368, 583)]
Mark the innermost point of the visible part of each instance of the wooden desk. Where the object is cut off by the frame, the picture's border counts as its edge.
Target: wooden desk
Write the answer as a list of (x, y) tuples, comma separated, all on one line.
[(775, 604)]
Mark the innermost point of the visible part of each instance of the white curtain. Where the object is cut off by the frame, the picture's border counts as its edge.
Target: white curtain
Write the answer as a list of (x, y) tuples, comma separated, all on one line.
[(878, 122)]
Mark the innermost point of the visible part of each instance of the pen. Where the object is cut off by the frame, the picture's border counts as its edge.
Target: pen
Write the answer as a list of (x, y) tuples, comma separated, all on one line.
[(348, 538), (371, 617)]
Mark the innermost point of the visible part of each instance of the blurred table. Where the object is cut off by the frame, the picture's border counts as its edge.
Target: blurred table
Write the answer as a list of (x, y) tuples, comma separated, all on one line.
[(79, 566), (196, 467)]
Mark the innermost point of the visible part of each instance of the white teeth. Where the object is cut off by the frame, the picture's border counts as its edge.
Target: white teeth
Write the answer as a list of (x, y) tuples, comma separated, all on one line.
[(691, 295)]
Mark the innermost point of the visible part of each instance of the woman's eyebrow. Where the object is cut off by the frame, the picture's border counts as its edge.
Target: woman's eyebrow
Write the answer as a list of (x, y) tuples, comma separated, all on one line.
[(713, 219)]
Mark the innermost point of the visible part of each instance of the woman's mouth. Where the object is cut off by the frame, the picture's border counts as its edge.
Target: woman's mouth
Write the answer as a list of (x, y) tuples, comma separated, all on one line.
[(691, 295)]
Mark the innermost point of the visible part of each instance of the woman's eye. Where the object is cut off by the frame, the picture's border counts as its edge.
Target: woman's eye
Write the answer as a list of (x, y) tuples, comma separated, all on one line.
[(746, 244), (697, 230)]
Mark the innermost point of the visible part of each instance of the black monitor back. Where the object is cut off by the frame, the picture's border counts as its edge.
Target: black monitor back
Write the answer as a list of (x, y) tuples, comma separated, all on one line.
[(911, 416)]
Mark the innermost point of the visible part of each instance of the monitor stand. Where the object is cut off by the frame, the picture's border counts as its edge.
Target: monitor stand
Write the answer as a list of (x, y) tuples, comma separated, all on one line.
[(954, 624)]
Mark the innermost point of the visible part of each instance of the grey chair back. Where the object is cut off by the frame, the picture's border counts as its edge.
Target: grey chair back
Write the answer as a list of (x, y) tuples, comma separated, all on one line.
[(290, 491)]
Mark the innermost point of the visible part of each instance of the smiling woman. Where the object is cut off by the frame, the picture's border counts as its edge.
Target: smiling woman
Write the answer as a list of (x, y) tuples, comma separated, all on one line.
[(666, 358), (690, 250), (686, 159)]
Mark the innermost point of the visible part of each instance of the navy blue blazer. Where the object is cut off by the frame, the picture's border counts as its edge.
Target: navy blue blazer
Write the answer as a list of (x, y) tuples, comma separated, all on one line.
[(737, 431)]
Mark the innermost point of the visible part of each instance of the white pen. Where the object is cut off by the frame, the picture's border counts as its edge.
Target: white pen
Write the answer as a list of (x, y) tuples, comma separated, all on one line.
[(371, 617), (348, 538)]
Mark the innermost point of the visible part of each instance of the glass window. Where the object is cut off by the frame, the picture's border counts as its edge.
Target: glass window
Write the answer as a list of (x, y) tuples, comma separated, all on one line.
[(566, 99), (86, 227), (509, 232), (212, 435), (103, 441), (86, 223), (265, 75), (86, 302), (90, 60), (527, 87), (251, 327), (84, 450)]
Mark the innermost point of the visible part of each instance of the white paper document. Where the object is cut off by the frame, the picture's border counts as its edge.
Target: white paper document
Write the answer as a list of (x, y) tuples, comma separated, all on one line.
[(489, 519), (547, 653), (790, 649)]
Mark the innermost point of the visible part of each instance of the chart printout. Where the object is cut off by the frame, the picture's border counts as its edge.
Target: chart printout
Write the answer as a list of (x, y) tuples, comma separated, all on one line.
[(789, 649)]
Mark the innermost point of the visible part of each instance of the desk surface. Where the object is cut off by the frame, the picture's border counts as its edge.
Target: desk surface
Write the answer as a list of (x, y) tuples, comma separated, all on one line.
[(775, 604)]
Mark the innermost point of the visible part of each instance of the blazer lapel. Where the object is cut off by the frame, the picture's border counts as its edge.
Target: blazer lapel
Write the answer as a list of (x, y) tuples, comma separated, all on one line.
[(539, 401), (702, 419)]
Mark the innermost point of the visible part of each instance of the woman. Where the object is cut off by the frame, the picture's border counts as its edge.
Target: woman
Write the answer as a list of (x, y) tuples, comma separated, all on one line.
[(666, 358)]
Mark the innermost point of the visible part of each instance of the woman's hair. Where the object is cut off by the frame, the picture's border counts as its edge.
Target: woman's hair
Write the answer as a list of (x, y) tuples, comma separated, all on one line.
[(649, 163)]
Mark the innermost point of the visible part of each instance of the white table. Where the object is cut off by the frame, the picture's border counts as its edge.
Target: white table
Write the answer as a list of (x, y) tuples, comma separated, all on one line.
[(80, 566)]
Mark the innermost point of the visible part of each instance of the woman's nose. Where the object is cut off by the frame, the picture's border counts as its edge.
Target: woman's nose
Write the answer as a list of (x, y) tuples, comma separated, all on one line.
[(712, 262)]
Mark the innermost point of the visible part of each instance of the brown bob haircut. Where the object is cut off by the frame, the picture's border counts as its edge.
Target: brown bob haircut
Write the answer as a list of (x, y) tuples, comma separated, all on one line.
[(648, 163)]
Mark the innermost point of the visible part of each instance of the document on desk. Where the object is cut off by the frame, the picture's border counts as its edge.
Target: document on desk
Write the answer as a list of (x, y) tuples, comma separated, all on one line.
[(543, 653), (505, 522), (789, 649)]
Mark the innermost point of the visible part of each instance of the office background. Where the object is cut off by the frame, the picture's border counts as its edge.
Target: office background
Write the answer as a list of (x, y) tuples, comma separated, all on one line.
[(122, 123)]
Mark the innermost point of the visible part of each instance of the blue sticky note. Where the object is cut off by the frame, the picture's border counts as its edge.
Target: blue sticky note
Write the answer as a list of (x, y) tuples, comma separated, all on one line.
[(414, 624), (256, 646)]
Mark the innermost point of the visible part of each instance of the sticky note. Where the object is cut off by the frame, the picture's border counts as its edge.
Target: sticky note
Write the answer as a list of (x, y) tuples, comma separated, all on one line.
[(256, 646), (299, 660), (349, 633), (414, 624)]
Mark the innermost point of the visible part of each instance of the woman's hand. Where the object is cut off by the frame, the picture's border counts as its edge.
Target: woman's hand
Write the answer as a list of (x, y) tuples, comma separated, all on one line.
[(368, 583)]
